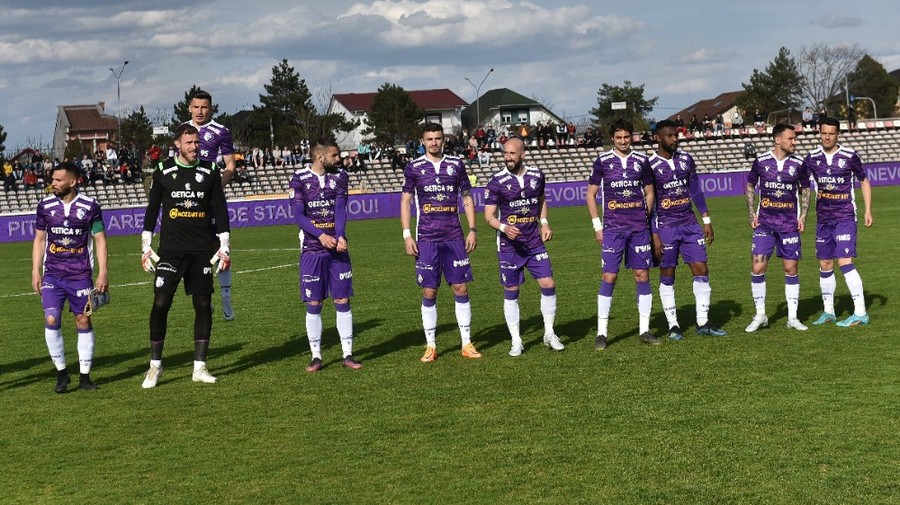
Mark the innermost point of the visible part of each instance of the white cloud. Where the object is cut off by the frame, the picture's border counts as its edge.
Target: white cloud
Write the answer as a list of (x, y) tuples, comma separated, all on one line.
[(686, 86)]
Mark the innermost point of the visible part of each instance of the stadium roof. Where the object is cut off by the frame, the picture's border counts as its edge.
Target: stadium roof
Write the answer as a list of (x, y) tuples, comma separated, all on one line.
[(711, 106), (88, 118), (426, 99)]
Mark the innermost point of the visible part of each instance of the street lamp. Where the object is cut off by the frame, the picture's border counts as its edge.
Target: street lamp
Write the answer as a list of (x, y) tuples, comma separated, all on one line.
[(478, 95), (118, 77)]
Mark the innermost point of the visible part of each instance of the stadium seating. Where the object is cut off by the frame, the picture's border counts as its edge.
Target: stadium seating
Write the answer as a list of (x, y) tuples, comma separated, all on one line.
[(876, 141)]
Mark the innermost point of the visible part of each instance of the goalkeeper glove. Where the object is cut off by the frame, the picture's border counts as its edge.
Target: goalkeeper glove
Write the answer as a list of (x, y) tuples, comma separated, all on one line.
[(222, 259), (149, 258)]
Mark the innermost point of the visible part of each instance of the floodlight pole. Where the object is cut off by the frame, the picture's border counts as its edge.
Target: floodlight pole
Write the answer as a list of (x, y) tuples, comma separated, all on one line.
[(478, 95), (118, 77)]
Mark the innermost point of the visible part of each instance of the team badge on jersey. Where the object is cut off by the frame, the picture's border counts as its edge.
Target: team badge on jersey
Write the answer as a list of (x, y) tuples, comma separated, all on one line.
[(199, 177), (533, 185), (331, 184), (449, 170), (80, 213)]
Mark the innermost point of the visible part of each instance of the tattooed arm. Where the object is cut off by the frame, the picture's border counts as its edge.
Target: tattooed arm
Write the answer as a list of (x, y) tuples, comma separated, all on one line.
[(804, 206), (750, 193)]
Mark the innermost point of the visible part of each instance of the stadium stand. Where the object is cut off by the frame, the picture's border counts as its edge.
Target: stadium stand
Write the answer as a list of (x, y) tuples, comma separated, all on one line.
[(876, 141)]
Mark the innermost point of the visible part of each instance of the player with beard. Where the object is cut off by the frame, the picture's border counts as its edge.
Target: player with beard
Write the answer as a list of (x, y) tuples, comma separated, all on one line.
[(675, 229), (215, 144), (777, 220), (318, 197), (517, 192), (622, 177), (437, 182), (62, 263), (189, 192), (836, 170)]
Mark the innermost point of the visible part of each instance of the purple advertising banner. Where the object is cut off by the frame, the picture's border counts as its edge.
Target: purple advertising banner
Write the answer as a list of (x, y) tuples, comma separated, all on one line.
[(20, 227)]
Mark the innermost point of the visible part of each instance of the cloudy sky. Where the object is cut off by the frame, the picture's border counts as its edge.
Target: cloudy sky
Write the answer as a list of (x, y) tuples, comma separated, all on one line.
[(58, 52)]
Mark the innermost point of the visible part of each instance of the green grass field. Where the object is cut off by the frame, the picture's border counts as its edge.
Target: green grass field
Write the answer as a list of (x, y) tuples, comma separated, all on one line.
[(778, 416)]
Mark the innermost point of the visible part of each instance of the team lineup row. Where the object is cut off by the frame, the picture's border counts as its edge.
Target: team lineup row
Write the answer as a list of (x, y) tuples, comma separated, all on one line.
[(646, 218)]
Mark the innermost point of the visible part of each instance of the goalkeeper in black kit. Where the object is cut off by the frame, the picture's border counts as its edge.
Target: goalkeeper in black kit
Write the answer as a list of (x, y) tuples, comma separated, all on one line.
[(189, 192)]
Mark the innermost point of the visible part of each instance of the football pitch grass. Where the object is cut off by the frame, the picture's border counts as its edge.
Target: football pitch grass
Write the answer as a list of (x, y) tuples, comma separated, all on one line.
[(778, 416)]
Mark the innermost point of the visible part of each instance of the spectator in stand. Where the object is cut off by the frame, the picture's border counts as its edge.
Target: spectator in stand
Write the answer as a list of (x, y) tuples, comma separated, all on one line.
[(154, 152), (87, 165), (808, 118), (524, 132), (851, 118), (653, 126), (679, 125), (491, 137), (287, 157), (560, 134), (484, 157), (30, 179), (480, 136), (277, 161), (707, 125), (268, 159), (737, 121), (8, 181), (473, 144), (112, 157), (694, 126), (720, 124), (759, 121), (18, 172), (570, 133)]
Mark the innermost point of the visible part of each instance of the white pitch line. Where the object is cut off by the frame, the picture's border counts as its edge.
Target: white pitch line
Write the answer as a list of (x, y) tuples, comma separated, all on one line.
[(144, 283), (138, 255)]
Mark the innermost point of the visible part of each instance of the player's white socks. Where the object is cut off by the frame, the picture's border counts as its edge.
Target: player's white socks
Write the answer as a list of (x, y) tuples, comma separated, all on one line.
[(85, 350), (548, 309), (511, 314), (828, 284), (758, 289), (792, 295), (702, 296), (645, 306), (198, 365), (464, 318), (429, 320), (55, 345), (156, 362), (604, 302), (314, 329), (344, 323), (667, 298), (855, 285)]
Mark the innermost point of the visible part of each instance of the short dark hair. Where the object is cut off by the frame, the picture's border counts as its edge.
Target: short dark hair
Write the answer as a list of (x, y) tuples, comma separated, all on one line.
[(830, 121), (322, 143), (432, 127), (665, 123), (201, 95), (622, 124), (70, 168), (780, 128), (185, 129)]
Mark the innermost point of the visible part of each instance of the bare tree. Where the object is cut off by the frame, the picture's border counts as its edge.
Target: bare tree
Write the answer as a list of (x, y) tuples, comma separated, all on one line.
[(824, 68)]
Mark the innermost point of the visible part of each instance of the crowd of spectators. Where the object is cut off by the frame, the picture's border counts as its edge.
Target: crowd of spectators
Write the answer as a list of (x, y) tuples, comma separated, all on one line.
[(109, 166)]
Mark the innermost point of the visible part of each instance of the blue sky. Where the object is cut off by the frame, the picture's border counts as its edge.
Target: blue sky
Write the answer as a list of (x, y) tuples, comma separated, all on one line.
[(58, 52)]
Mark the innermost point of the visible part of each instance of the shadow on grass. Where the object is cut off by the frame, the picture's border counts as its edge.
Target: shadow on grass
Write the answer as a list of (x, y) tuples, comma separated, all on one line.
[(102, 362), (446, 333)]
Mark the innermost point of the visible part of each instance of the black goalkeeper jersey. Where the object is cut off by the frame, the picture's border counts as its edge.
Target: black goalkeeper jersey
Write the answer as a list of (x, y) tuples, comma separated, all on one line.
[(191, 197)]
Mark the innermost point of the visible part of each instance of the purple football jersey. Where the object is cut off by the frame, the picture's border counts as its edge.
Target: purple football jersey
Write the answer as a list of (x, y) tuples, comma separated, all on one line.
[(677, 186), (317, 196), (436, 188), (69, 253), (621, 182), (779, 183), (518, 199), (215, 141), (835, 176)]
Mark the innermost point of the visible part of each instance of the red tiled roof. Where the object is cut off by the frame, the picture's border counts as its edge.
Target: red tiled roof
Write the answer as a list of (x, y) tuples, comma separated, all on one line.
[(87, 118), (427, 99), (710, 106)]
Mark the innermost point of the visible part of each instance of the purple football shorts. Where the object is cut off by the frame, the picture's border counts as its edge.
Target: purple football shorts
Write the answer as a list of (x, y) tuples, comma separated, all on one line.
[(836, 240), (633, 245), (785, 243), (55, 292), (448, 257), (687, 240), (325, 274), (513, 265)]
